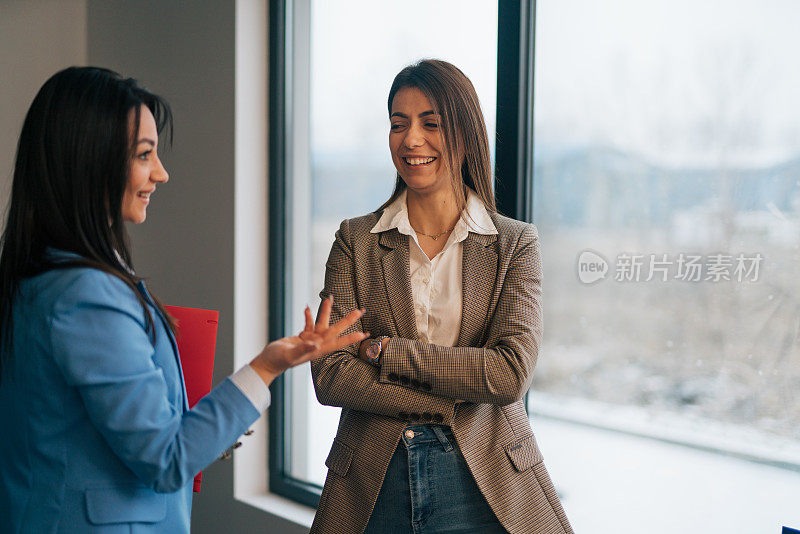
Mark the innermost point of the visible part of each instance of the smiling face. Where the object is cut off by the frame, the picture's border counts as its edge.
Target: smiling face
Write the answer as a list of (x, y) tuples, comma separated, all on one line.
[(416, 143), (146, 169)]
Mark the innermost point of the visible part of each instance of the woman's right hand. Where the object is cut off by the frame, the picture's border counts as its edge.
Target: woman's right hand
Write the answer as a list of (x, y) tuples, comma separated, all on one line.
[(316, 339)]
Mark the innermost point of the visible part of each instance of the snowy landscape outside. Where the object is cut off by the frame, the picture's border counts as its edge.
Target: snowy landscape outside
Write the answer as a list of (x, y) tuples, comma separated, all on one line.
[(667, 136)]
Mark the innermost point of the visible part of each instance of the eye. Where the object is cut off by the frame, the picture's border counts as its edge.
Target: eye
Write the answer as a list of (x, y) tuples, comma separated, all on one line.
[(396, 126), (144, 156), (432, 124)]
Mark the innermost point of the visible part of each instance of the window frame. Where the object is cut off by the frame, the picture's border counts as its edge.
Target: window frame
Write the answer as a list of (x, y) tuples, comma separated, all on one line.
[(513, 186)]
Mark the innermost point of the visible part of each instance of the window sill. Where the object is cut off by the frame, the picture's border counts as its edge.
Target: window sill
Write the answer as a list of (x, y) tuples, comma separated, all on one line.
[(598, 472), (676, 429), (281, 507)]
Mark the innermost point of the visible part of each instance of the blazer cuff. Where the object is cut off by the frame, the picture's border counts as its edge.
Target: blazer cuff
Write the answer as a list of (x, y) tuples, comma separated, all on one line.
[(394, 372), (250, 384)]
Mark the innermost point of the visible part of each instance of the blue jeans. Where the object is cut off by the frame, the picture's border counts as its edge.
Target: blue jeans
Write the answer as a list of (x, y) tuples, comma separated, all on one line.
[(428, 489)]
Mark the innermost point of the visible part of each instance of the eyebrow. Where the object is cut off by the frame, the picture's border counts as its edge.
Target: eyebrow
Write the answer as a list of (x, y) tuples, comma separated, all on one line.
[(404, 116), (146, 140)]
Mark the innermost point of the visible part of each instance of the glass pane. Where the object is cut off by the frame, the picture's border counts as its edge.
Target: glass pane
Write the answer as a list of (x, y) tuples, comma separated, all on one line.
[(341, 162), (667, 157)]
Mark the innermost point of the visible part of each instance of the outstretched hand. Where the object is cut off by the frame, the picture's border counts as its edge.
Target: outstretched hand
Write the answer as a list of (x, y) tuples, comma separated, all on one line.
[(317, 339)]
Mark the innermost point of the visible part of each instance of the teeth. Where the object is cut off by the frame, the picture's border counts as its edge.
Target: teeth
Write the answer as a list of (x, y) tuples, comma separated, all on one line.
[(144, 195), (418, 161)]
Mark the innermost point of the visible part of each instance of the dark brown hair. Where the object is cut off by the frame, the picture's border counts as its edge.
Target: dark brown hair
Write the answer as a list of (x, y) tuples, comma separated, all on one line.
[(463, 129)]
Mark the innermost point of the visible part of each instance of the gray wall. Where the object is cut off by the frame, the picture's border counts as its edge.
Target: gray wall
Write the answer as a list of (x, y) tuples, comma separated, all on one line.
[(37, 38), (185, 52)]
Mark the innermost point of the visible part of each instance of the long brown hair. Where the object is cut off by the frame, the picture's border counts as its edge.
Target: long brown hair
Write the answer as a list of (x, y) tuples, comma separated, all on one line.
[(466, 143)]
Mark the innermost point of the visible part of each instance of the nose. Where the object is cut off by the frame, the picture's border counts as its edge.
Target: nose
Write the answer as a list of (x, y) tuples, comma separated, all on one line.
[(159, 173), (414, 137)]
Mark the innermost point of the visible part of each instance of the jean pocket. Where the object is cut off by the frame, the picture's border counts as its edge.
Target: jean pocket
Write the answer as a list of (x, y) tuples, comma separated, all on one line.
[(523, 453)]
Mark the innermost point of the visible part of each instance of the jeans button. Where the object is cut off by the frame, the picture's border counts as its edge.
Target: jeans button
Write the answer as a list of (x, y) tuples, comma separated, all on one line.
[(410, 434)]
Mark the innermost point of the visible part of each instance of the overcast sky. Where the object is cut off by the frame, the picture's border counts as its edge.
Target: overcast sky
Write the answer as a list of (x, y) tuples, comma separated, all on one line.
[(683, 82)]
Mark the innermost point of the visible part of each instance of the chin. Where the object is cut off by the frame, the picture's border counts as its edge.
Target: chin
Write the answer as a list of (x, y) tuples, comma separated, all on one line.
[(137, 218), (422, 184)]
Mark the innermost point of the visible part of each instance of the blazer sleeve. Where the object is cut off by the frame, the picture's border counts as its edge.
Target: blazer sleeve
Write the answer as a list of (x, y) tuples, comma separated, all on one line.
[(99, 343), (343, 379), (501, 371)]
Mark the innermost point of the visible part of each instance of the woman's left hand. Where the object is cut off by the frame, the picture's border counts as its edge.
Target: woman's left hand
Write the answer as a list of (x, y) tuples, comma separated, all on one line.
[(317, 339)]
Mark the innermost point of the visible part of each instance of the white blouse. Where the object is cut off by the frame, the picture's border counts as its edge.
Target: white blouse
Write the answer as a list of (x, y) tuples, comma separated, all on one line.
[(436, 284)]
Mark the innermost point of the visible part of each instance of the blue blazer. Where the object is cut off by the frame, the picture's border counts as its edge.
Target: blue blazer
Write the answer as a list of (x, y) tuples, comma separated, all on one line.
[(97, 435)]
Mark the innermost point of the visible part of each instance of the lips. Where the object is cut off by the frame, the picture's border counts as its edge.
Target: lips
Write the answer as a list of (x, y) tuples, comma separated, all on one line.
[(144, 195), (418, 161)]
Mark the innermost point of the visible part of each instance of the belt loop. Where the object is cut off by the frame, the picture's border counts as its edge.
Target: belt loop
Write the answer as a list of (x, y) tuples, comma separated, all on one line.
[(446, 445)]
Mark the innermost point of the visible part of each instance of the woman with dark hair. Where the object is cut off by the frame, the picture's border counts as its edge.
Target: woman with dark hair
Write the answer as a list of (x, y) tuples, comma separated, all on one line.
[(97, 432), (433, 435)]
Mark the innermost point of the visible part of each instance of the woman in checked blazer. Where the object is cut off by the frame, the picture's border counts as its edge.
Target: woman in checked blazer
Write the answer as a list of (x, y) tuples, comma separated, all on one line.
[(433, 435)]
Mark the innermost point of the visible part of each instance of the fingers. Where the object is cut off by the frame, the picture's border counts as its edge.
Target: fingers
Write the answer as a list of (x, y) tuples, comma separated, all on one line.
[(351, 339), (319, 338), (324, 317), (309, 320), (339, 343), (345, 322)]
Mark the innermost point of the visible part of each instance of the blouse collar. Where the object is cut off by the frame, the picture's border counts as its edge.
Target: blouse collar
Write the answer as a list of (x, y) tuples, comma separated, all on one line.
[(475, 218)]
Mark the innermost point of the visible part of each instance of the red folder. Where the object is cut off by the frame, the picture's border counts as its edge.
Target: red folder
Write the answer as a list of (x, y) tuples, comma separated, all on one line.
[(197, 340)]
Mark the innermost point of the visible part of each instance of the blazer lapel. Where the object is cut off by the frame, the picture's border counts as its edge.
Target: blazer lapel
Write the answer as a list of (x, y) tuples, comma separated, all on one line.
[(479, 277), (146, 294), (398, 285)]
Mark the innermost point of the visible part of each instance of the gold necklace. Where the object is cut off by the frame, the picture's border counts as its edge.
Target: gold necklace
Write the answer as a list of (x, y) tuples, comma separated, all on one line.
[(437, 236)]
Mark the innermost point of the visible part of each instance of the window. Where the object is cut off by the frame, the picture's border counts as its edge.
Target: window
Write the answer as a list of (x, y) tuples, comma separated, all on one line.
[(339, 59), (666, 192), (661, 167)]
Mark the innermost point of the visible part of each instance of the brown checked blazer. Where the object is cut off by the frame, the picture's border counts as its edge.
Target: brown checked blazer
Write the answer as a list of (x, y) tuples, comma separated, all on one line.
[(489, 370)]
